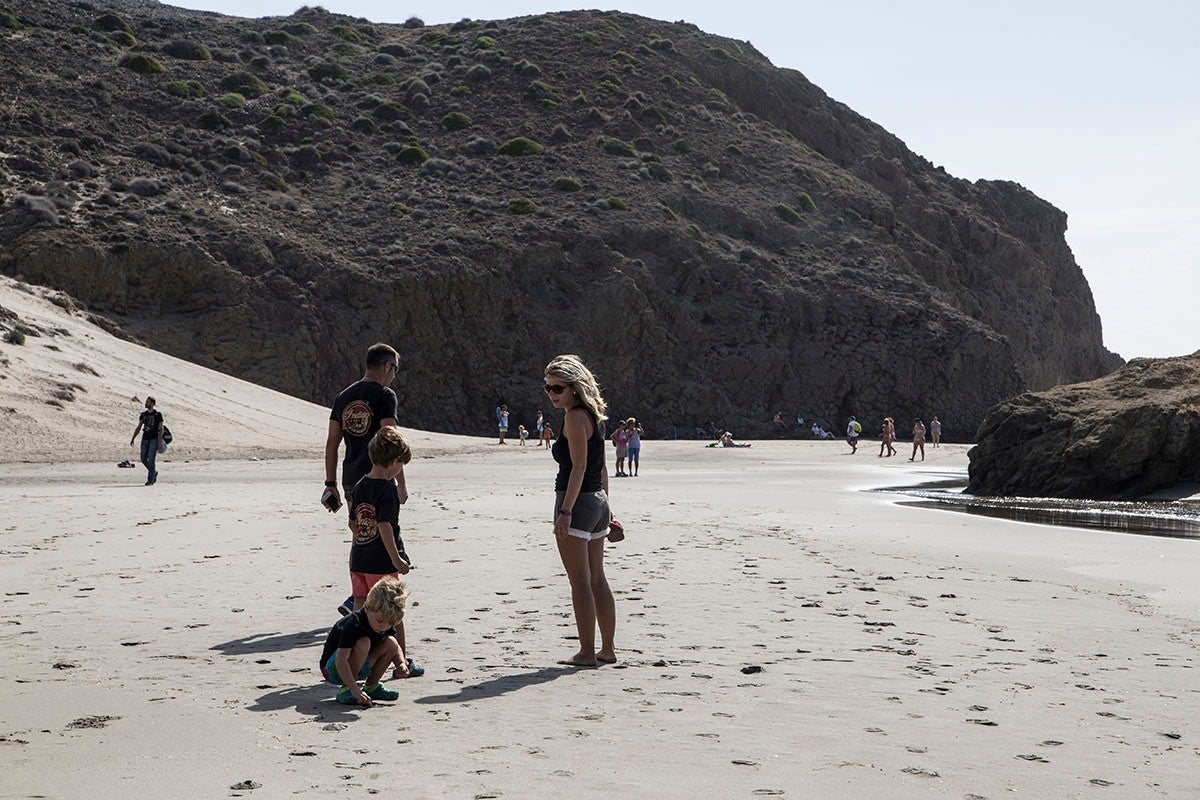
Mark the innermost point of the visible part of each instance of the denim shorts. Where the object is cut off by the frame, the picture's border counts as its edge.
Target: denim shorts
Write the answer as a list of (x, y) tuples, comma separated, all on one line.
[(590, 515), (331, 674)]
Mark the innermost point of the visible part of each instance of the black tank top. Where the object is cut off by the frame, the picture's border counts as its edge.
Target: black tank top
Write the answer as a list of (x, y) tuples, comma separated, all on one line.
[(595, 459)]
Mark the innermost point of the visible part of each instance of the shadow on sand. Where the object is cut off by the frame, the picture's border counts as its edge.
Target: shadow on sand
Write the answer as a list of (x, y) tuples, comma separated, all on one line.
[(273, 642), (500, 685), (316, 700)]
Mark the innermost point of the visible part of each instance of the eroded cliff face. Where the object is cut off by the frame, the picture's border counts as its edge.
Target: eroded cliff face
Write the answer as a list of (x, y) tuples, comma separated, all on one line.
[(1128, 434), (718, 238), (997, 251)]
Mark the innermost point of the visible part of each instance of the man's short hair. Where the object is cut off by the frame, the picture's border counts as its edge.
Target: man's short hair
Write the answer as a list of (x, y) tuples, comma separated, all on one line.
[(387, 599), (150, 400), (379, 354), (388, 445)]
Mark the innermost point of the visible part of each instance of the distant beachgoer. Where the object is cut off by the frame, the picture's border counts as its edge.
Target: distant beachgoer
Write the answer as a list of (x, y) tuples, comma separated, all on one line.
[(620, 440), (634, 445), (150, 423), (887, 435), (726, 440), (502, 421), (820, 433), (541, 424), (853, 431), (777, 421), (523, 433), (581, 512), (935, 431), (918, 440)]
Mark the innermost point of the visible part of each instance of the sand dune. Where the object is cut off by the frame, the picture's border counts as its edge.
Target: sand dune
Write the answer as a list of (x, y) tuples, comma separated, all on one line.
[(73, 392)]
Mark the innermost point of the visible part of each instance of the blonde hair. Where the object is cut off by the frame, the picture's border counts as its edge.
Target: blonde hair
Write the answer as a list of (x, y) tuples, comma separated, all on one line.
[(387, 599), (388, 445), (570, 370)]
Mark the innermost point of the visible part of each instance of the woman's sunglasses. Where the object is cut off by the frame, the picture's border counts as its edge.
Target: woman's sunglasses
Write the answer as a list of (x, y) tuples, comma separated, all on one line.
[(552, 389)]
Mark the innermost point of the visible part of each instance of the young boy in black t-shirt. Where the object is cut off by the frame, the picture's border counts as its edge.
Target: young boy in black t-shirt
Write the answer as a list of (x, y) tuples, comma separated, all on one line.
[(378, 551), (362, 645)]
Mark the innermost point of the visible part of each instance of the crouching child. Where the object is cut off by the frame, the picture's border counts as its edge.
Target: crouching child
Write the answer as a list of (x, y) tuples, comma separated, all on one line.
[(362, 645)]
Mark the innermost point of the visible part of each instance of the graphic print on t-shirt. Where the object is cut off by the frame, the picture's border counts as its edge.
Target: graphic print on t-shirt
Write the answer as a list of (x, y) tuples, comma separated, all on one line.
[(356, 418), (368, 524)]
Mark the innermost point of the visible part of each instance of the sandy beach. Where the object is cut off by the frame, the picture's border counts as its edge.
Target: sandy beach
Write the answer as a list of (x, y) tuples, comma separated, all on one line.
[(168, 638), (782, 631)]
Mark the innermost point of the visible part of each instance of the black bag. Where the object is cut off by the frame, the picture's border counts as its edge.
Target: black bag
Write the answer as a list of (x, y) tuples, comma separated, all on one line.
[(166, 435)]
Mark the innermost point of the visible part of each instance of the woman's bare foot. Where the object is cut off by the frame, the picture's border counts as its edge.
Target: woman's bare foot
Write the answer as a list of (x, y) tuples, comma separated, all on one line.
[(606, 657), (579, 660)]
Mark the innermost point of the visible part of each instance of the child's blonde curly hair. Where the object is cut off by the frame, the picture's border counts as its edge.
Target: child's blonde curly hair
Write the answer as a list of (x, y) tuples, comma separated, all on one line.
[(388, 599)]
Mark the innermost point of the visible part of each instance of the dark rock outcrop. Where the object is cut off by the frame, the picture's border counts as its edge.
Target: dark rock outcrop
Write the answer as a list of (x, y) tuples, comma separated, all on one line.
[(1120, 437), (716, 236)]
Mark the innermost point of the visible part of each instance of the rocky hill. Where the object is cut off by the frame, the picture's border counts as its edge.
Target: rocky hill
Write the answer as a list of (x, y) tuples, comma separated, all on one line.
[(1123, 436), (716, 236)]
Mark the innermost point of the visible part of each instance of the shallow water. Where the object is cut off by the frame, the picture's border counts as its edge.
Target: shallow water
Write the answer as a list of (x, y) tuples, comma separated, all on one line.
[(1175, 518)]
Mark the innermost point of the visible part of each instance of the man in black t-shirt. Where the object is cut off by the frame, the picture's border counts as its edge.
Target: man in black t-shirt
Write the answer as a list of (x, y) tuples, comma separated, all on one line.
[(150, 423), (359, 411)]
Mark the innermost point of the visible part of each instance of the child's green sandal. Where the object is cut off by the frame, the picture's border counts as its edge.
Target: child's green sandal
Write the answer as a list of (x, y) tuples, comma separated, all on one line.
[(345, 697)]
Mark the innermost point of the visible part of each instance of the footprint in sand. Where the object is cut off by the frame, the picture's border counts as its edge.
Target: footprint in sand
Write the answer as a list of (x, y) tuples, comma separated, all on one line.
[(93, 722)]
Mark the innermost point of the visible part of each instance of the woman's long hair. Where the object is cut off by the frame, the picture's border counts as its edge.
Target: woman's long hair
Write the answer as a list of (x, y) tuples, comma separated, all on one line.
[(570, 369)]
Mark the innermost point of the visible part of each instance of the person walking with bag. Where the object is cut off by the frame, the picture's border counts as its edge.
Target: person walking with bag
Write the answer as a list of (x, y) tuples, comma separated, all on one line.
[(150, 423)]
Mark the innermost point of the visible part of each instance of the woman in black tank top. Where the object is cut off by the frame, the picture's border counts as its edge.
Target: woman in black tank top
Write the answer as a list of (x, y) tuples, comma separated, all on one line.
[(581, 513)]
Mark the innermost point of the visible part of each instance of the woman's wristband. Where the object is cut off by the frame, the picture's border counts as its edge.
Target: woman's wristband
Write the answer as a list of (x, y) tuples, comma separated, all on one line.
[(331, 484), (562, 512)]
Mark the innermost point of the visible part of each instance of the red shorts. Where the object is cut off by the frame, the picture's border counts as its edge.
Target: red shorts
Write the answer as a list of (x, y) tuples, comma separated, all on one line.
[(361, 582)]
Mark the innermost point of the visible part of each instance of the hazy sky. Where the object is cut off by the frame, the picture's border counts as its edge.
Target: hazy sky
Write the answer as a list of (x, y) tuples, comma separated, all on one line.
[(1092, 104)]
